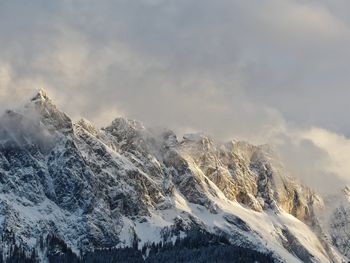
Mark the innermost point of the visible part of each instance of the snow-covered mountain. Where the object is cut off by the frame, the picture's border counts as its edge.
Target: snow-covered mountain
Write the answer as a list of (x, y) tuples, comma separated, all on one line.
[(68, 188)]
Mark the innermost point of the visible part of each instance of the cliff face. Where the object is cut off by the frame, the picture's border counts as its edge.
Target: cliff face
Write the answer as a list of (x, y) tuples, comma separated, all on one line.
[(126, 184)]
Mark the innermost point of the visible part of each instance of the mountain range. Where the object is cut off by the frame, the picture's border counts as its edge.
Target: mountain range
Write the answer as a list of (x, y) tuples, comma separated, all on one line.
[(71, 192)]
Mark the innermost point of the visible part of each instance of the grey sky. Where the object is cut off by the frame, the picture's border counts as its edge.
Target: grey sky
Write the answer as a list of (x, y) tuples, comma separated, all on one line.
[(235, 69)]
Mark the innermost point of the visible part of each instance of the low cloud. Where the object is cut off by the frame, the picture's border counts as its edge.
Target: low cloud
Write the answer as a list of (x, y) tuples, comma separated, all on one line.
[(316, 157), (262, 71), (23, 129)]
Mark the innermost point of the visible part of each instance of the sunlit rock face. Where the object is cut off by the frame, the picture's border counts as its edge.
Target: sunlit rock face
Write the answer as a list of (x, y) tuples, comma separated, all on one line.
[(126, 184)]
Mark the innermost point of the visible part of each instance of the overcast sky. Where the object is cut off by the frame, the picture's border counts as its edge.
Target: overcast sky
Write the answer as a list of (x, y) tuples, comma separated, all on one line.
[(261, 70)]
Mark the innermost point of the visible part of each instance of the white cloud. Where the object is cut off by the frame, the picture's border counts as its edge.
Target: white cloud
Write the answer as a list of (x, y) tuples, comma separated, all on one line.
[(242, 69), (337, 146)]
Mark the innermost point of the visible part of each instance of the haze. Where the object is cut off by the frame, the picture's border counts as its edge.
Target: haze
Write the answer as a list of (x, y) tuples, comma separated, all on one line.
[(267, 71)]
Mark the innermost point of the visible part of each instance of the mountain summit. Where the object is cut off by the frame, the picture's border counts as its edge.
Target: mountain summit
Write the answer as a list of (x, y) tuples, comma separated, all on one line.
[(41, 95), (70, 192)]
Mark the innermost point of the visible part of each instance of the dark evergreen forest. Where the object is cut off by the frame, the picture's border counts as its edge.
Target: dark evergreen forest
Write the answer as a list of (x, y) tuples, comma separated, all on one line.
[(196, 247)]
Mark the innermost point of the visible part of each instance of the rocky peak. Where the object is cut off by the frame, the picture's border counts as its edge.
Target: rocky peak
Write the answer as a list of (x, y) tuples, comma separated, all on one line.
[(124, 128), (198, 141), (128, 123), (346, 192), (127, 134), (42, 108), (87, 125), (41, 101), (41, 95), (33, 124)]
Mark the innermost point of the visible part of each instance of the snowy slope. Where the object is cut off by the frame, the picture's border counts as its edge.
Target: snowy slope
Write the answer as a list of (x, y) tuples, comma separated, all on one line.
[(127, 184)]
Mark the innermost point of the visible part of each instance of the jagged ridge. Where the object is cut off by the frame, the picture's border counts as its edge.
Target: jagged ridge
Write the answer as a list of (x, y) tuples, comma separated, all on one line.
[(126, 183)]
